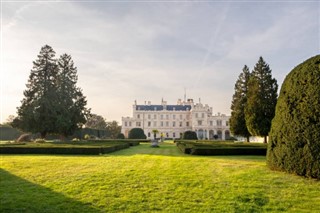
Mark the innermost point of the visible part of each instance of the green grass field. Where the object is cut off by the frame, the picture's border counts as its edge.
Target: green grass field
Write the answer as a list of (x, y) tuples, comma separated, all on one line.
[(145, 179)]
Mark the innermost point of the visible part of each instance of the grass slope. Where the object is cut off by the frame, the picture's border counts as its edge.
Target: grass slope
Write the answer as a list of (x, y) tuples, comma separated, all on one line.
[(145, 179)]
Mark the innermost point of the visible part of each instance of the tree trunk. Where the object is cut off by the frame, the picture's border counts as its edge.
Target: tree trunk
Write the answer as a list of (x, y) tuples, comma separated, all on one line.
[(248, 139)]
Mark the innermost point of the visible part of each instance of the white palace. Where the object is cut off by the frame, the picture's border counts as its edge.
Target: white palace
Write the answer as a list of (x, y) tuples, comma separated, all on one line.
[(173, 120)]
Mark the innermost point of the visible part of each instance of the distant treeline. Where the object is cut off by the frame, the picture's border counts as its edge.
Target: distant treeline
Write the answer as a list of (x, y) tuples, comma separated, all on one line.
[(9, 134)]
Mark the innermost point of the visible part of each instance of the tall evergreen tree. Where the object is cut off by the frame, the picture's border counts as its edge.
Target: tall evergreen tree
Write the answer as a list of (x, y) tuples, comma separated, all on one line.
[(71, 110), (52, 102), (261, 100), (239, 100), (37, 111)]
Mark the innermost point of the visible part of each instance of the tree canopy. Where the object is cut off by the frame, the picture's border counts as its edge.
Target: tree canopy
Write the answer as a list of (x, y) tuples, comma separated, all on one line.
[(239, 101), (113, 128), (261, 100), (95, 121), (52, 102)]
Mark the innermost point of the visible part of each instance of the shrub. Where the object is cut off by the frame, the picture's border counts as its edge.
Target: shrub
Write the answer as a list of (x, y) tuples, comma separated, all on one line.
[(190, 135), (137, 133), (295, 132), (75, 139), (120, 136)]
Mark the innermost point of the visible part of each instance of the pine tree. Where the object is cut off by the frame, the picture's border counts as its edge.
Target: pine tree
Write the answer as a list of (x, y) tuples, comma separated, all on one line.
[(37, 112), (52, 102), (71, 110), (239, 100), (261, 100)]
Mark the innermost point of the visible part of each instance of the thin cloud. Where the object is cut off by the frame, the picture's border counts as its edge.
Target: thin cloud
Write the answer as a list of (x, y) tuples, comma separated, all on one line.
[(148, 51)]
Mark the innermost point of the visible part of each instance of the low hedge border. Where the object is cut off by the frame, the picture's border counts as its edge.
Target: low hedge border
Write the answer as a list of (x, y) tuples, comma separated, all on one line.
[(77, 150), (221, 148), (228, 151)]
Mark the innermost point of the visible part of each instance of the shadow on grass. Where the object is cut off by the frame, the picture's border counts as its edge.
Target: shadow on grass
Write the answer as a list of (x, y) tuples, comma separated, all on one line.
[(20, 195)]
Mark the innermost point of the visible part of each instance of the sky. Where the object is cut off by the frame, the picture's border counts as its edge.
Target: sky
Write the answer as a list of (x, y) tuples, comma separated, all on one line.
[(153, 50)]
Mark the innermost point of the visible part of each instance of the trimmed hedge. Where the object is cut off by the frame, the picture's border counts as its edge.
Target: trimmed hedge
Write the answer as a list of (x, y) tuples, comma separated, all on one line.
[(62, 150), (221, 148), (294, 139), (76, 148), (9, 133)]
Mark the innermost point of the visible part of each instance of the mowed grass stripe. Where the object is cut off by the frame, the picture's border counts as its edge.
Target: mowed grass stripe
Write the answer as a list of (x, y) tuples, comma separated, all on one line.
[(145, 179)]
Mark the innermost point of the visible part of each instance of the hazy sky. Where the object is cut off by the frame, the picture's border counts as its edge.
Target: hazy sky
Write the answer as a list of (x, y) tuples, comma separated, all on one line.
[(149, 50)]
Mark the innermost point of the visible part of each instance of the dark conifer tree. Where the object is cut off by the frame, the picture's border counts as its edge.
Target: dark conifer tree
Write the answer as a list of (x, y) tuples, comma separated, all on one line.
[(37, 111), (261, 100), (52, 102), (239, 100), (71, 105)]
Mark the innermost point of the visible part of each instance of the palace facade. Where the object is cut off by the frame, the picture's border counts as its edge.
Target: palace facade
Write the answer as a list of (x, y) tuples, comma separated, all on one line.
[(173, 120)]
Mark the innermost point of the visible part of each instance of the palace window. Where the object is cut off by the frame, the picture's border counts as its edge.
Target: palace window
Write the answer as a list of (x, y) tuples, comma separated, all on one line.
[(161, 117), (155, 116), (161, 124), (174, 116), (155, 123), (125, 123), (167, 123), (149, 116), (173, 123), (199, 123), (149, 123), (138, 115), (219, 122), (138, 123), (180, 124), (167, 116), (187, 123), (202, 115)]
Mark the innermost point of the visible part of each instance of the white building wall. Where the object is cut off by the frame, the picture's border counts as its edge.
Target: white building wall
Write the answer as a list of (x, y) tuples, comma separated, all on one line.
[(172, 123)]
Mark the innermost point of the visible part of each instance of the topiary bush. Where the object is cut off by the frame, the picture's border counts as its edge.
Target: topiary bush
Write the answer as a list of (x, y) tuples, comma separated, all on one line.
[(136, 133), (294, 144), (190, 135), (120, 136)]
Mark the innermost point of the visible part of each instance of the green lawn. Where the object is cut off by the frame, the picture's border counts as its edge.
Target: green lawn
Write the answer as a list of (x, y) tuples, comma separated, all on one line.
[(145, 179)]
